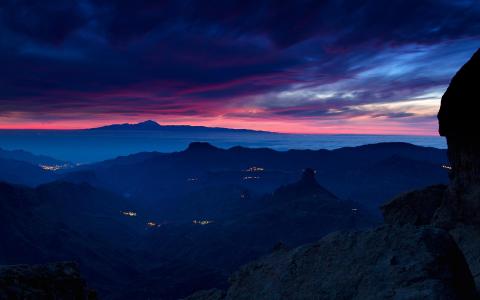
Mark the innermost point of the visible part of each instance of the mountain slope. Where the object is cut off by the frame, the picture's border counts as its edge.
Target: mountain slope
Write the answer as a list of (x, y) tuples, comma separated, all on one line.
[(62, 221), (352, 173), (20, 172), (31, 158)]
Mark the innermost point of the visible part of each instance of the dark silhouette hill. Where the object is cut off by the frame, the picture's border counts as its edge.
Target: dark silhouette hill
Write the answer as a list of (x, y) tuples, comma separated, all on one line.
[(368, 174), (215, 231), (21, 172), (300, 212), (31, 158), (154, 126), (62, 222), (22, 167)]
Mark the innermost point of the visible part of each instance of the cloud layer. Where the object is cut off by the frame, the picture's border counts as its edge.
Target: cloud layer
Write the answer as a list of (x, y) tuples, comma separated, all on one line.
[(299, 66)]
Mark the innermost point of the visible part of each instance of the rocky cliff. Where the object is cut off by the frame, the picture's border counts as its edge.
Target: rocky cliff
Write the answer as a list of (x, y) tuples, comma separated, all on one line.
[(428, 250), (458, 122), (455, 207), (60, 281)]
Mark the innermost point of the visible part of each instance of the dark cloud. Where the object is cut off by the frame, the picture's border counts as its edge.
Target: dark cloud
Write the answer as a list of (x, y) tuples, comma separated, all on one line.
[(44, 21), (211, 58)]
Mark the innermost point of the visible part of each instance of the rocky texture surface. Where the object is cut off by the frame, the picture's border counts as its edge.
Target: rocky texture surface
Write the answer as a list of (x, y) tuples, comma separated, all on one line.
[(459, 122), (390, 262), (416, 208), (468, 240), (213, 294), (61, 281), (422, 208)]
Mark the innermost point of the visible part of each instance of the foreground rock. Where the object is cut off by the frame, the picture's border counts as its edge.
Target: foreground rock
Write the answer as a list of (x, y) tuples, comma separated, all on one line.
[(416, 208), (459, 122), (456, 207), (61, 281), (422, 208), (390, 262)]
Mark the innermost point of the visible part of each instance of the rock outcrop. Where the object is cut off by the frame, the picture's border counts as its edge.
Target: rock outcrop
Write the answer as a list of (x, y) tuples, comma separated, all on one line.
[(390, 262), (416, 207), (457, 208), (60, 281), (423, 208), (459, 122)]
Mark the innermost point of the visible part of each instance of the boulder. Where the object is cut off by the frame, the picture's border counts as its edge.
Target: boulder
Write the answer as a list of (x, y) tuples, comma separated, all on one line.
[(416, 207), (42, 282)]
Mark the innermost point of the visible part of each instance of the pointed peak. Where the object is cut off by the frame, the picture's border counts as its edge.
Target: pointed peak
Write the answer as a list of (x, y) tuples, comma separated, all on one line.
[(306, 186), (148, 122), (201, 146), (308, 176)]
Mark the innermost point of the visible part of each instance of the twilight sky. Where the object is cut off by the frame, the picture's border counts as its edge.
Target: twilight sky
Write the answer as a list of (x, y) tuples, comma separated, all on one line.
[(321, 66)]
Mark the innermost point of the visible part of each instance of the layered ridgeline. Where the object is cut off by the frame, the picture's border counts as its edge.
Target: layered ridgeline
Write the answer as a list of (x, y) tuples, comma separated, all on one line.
[(22, 167), (127, 253), (369, 174), (62, 221), (429, 250)]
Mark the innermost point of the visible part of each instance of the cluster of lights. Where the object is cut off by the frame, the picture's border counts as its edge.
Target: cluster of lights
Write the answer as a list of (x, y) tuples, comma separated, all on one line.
[(202, 222), (153, 224), (447, 167), (52, 167), (251, 177), (129, 213), (192, 179), (255, 169)]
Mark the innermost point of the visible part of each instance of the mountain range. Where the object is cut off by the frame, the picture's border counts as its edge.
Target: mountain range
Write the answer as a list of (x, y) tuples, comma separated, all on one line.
[(368, 174), (150, 125), (167, 224), (149, 256)]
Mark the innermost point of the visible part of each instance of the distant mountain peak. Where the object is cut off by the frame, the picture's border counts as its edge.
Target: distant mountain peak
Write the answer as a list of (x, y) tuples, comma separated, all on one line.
[(148, 123), (201, 146), (152, 125), (145, 125), (306, 186), (308, 177)]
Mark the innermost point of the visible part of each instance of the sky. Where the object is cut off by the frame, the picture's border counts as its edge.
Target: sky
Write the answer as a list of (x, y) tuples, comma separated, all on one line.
[(321, 66)]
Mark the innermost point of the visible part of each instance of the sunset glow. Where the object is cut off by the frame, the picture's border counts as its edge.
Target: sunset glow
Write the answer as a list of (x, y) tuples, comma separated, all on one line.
[(364, 74)]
